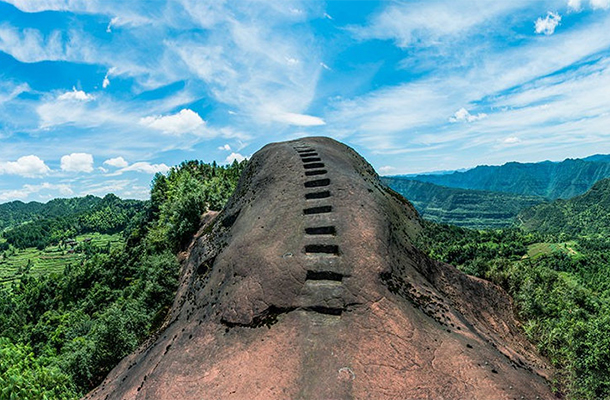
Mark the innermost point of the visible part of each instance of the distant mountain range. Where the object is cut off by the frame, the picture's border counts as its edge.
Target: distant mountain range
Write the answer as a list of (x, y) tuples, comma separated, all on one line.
[(492, 196), (552, 180)]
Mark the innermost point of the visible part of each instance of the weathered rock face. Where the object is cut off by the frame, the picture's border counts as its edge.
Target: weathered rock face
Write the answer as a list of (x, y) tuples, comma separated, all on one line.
[(307, 286)]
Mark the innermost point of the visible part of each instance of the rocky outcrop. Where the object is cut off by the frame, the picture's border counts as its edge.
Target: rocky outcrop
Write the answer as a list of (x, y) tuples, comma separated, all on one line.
[(307, 286)]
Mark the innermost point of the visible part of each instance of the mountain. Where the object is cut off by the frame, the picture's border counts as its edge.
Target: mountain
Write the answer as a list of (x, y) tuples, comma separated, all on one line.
[(474, 209), (588, 214), (598, 158), (39, 225), (552, 180), (307, 285), (17, 212)]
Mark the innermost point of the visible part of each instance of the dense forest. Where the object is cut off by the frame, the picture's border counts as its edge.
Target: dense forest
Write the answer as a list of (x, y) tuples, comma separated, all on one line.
[(62, 219), (583, 215), (61, 333), (475, 209)]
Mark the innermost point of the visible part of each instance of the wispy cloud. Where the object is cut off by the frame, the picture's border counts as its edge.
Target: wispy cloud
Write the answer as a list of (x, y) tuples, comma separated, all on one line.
[(299, 119), (142, 166), (426, 23), (27, 190)]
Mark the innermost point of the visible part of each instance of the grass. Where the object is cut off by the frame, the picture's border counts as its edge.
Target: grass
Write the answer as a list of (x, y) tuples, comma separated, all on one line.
[(538, 249), (51, 259)]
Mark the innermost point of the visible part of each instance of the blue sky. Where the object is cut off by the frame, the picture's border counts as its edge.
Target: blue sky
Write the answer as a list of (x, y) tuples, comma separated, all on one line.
[(98, 95)]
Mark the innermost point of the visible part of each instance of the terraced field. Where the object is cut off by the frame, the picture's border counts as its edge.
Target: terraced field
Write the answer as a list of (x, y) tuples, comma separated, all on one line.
[(51, 259), (538, 249)]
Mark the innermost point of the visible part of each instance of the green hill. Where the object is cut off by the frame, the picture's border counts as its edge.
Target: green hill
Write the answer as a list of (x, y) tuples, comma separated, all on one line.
[(551, 180), (588, 214), (39, 225), (467, 208), (18, 212)]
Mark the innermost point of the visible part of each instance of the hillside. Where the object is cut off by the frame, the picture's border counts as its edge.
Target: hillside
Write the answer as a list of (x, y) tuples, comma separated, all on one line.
[(551, 180), (588, 214), (18, 212), (468, 208), (70, 312), (40, 225)]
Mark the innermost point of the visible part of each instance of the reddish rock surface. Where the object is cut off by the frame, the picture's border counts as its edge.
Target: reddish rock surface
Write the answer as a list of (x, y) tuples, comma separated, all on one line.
[(307, 286)]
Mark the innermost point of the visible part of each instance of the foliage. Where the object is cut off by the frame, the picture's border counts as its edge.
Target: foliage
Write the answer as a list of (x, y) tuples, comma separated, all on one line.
[(24, 376), (80, 215), (585, 215), (562, 296), (66, 330)]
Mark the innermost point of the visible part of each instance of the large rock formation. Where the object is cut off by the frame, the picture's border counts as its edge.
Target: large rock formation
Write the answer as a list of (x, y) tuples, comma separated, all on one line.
[(307, 286)]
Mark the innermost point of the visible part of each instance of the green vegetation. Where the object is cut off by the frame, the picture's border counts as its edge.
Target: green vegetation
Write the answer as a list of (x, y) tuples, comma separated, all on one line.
[(70, 311), (560, 283), (70, 217), (52, 259), (546, 179), (468, 208), (585, 215), (66, 323)]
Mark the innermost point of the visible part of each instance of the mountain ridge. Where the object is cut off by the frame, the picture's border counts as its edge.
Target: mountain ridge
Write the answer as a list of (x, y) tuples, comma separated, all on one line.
[(552, 180)]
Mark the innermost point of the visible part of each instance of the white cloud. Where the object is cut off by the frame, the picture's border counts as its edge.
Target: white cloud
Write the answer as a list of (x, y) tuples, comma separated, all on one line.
[(386, 169), (511, 140), (106, 81), (26, 166), (462, 115), (75, 95), (143, 167), (186, 121), (234, 156), (146, 167), (575, 5), (27, 190), (118, 162), (226, 147), (77, 162), (299, 119), (547, 25), (600, 4)]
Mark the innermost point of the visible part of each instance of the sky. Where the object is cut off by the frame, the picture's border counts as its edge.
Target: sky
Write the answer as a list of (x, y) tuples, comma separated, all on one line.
[(96, 96)]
